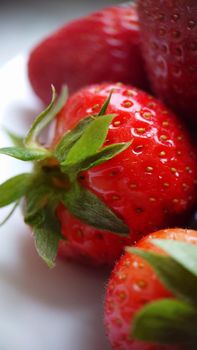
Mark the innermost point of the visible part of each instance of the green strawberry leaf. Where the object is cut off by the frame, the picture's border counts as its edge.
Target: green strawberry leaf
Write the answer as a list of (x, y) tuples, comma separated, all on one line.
[(184, 253), (90, 141), (15, 188), (40, 214), (39, 123), (36, 199), (70, 138), (47, 234), (90, 209), (99, 157), (9, 214), (17, 141), (166, 321), (105, 105), (175, 277), (103, 155), (45, 118), (26, 154)]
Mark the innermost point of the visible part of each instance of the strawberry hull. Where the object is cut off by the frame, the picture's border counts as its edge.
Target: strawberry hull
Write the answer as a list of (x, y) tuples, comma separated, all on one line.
[(169, 44)]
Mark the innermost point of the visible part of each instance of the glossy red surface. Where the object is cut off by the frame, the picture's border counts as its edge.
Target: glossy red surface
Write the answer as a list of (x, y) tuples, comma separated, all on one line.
[(133, 283), (150, 185)]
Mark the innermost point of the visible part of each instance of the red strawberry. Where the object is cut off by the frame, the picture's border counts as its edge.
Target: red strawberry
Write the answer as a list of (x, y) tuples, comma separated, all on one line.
[(169, 42), (147, 185), (103, 46), (134, 284), (143, 179)]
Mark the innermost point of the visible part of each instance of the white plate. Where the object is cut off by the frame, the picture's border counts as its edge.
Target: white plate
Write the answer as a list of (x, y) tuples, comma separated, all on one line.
[(40, 309)]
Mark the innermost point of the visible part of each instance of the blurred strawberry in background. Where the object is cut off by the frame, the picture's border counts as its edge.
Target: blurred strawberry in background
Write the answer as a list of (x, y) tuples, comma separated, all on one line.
[(169, 43), (103, 46)]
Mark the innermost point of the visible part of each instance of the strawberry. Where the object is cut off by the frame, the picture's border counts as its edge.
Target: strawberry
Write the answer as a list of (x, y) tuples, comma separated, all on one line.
[(106, 180), (103, 46), (130, 183), (169, 43), (151, 297)]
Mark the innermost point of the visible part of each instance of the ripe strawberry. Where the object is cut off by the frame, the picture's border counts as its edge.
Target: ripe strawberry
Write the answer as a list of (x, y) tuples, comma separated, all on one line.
[(143, 179), (147, 184), (103, 46), (135, 284), (169, 43)]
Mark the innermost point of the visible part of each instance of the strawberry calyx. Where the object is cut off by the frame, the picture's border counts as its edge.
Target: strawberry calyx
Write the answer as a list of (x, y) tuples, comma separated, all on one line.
[(172, 320), (55, 176)]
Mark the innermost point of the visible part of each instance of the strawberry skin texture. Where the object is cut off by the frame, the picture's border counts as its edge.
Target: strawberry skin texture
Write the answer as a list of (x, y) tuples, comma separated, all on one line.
[(169, 43), (150, 185), (133, 283), (103, 46)]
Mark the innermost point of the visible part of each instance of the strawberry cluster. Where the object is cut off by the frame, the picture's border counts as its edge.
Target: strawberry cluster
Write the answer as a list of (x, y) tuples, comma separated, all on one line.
[(120, 166)]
